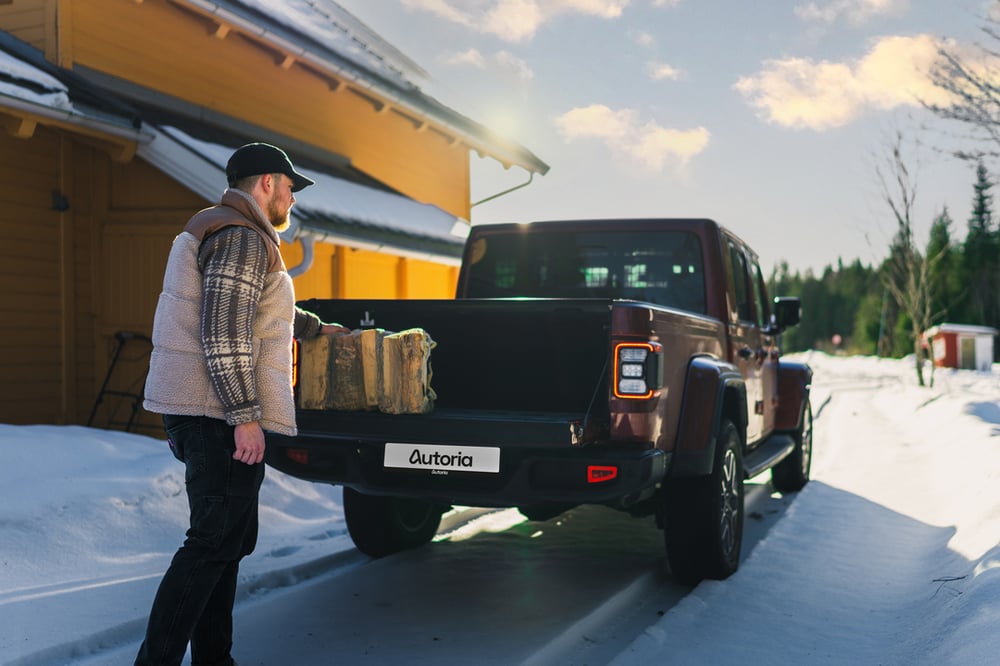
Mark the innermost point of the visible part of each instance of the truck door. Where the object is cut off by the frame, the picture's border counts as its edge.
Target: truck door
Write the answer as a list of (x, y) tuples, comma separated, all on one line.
[(745, 345)]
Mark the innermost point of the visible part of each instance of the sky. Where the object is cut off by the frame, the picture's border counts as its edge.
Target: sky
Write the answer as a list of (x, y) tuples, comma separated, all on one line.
[(769, 117), (888, 556)]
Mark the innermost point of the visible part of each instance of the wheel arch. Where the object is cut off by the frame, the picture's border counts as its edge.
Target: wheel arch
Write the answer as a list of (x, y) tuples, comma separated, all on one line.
[(712, 390), (794, 384)]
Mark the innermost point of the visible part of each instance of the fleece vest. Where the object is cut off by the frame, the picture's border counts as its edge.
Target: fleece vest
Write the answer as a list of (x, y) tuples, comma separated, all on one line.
[(179, 381)]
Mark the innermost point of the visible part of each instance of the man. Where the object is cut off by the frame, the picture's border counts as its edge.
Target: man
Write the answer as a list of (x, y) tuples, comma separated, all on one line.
[(220, 373)]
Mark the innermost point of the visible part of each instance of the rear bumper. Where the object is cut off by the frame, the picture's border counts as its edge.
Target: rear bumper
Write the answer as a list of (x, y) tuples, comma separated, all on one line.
[(528, 475)]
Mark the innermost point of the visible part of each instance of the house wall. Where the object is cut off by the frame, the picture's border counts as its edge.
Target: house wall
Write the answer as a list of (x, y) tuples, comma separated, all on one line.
[(945, 348), (76, 277), (26, 20), (984, 353), (32, 303)]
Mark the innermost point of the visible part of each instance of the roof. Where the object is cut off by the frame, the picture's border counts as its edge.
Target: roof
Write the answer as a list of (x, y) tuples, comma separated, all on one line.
[(335, 210), (330, 38), (960, 329), (30, 85)]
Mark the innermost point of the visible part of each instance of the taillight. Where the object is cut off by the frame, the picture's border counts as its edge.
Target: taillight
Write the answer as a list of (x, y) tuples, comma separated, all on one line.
[(638, 369), (300, 456), (601, 473)]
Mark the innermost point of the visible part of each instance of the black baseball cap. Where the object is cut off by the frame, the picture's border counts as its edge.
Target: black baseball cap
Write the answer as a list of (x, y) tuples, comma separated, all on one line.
[(258, 158)]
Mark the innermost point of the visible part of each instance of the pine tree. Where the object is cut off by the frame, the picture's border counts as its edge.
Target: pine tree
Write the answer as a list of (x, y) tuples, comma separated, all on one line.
[(982, 202), (947, 293), (981, 264)]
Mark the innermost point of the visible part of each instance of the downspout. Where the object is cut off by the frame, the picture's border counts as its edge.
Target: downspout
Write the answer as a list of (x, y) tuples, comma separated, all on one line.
[(308, 242), (531, 175)]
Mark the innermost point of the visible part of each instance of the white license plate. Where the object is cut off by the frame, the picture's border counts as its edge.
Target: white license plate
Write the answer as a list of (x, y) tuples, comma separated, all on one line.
[(443, 457)]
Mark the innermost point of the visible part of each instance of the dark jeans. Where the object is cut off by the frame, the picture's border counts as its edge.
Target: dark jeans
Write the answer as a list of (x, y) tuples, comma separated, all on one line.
[(195, 599)]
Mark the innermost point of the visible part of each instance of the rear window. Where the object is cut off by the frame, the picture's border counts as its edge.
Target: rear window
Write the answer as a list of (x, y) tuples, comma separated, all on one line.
[(655, 266)]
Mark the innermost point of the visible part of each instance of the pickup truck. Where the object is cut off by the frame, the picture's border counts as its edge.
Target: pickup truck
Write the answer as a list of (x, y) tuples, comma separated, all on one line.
[(627, 363)]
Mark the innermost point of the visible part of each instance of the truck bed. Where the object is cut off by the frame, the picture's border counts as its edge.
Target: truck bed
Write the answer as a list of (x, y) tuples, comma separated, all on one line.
[(498, 355)]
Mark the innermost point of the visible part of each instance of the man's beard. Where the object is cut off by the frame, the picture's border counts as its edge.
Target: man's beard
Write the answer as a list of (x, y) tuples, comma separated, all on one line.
[(279, 221)]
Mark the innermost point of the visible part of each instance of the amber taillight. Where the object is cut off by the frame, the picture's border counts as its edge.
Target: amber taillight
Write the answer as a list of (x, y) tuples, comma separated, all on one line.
[(638, 369)]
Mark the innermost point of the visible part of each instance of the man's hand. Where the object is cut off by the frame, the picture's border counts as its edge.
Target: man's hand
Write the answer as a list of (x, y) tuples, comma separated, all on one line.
[(249, 443), (334, 329)]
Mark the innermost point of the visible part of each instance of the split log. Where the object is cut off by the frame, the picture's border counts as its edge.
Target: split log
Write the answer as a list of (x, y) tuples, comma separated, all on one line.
[(406, 373)]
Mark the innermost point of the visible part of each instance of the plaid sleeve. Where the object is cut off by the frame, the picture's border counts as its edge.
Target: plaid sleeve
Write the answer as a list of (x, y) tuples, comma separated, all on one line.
[(233, 263), (307, 325)]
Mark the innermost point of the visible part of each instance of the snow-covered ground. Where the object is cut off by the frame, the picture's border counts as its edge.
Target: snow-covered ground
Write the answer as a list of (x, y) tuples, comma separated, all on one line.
[(889, 556)]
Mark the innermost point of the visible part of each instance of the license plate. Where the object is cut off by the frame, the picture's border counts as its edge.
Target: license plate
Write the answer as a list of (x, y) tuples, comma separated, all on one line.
[(443, 457)]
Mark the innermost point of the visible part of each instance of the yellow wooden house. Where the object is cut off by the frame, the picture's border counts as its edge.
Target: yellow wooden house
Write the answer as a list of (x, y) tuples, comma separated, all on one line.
[(116, 119)]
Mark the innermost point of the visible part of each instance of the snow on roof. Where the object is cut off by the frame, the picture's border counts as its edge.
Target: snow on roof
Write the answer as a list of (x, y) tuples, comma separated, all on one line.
[(27, 88), (20, 80), (339, 31), (333, 210), (967, 329)]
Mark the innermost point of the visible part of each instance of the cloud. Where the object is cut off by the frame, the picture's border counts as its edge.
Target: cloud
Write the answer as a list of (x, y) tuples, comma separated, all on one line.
[(644, 39), (666, 3), (855, 12), (660, 71), (470, 57), (511, 63), (504, 61), (514, 20), (621, 130), (802, 93)]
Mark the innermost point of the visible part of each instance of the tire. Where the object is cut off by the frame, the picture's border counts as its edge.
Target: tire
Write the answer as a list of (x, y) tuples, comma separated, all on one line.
[(381, 526), (703, 528), (792, 473)]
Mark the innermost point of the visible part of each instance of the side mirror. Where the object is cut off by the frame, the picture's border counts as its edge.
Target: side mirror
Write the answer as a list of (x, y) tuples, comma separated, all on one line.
[(787, 312)]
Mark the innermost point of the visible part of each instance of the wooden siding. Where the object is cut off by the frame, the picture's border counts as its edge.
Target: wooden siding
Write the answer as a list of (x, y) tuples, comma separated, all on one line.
[(74, 278), (162, 46), (320, 280), (31, 304), (342, 272), (368, 274), (25, 19), (144, 211), (427, 280)]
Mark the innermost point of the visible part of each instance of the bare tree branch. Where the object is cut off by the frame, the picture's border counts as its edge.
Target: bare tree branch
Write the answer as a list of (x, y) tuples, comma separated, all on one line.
[(907, 273)]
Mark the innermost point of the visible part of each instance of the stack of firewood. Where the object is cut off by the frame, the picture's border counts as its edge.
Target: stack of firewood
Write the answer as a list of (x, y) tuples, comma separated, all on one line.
[(369, 369)]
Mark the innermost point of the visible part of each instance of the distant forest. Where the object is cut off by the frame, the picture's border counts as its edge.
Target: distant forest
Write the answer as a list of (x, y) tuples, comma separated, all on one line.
[(851, 308)]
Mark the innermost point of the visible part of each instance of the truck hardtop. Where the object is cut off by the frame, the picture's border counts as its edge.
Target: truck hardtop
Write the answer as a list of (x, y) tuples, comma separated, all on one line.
[(629, 363)]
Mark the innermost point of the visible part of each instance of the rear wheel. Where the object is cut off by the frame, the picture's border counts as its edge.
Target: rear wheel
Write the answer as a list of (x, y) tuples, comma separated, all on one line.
[(381, 526), (703, 529), (792, 473)]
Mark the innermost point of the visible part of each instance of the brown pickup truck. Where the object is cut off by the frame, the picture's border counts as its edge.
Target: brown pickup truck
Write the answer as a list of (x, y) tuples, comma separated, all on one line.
[(628, 363)]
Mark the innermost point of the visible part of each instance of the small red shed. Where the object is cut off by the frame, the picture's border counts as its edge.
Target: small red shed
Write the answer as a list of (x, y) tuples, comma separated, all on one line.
[(962, 346)]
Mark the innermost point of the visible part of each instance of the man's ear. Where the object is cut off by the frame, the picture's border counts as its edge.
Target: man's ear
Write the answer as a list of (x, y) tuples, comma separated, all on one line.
[(267, 183)]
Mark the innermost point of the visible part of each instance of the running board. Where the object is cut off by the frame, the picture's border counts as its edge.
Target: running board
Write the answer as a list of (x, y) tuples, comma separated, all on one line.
[(775, 449)]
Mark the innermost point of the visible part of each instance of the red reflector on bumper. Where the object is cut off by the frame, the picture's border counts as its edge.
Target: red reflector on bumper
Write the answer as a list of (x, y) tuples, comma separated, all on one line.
[(300, 456), (601, 473)]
